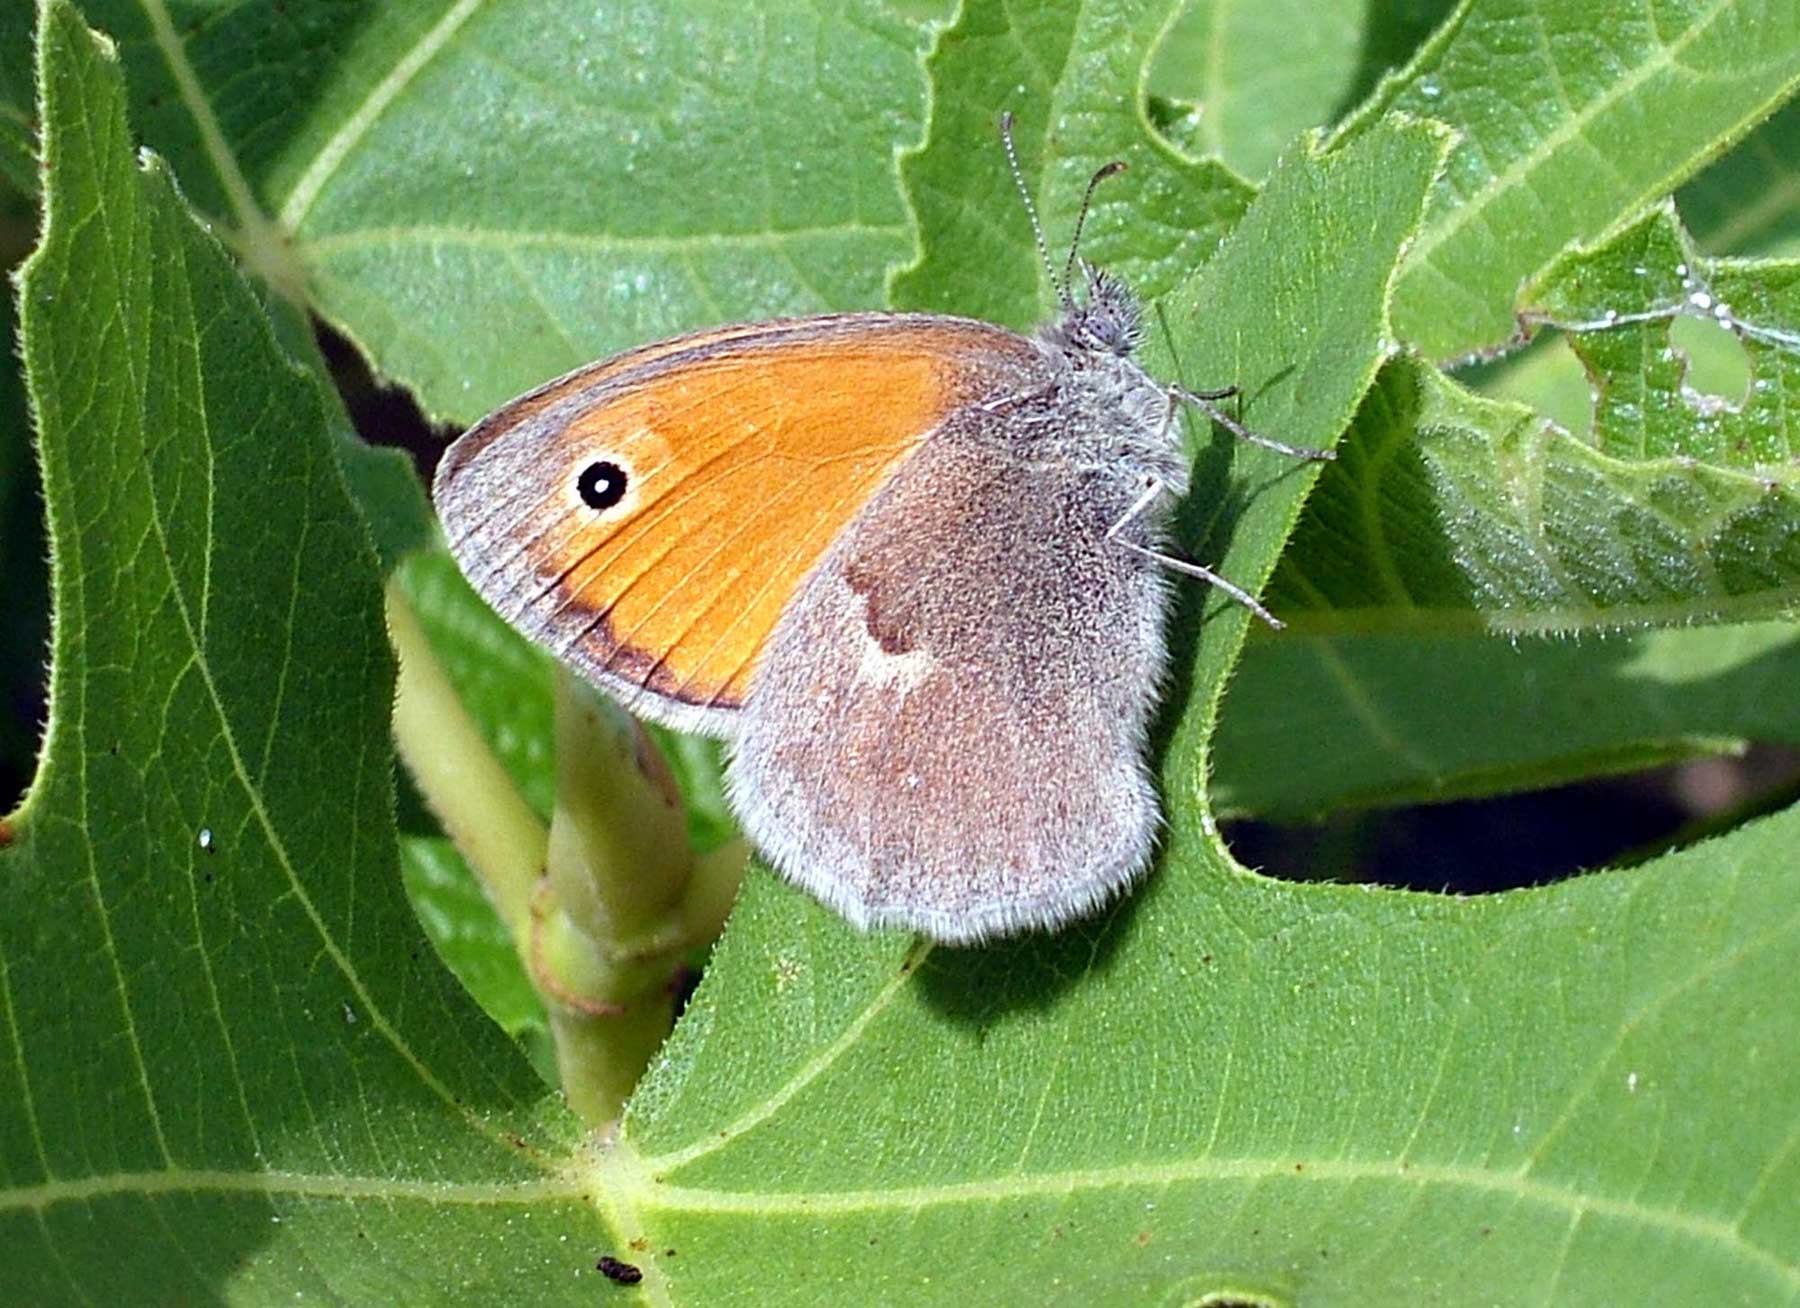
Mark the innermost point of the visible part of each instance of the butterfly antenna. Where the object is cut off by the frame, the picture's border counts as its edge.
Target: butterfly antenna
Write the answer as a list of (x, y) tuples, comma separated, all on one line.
[(1037, 230), (1116, 166)]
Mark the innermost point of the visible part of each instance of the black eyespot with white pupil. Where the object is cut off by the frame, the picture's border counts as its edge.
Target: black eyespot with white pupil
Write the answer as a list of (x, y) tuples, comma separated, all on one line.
[(601, 485)]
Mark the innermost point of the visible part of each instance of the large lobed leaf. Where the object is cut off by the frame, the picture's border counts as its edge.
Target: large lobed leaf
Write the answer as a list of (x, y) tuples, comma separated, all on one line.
[(232, 1069), (1262, 1092), (1231, 1087)]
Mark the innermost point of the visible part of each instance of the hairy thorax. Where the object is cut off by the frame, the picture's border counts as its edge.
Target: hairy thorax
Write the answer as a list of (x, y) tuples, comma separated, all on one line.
[(1099, 412)]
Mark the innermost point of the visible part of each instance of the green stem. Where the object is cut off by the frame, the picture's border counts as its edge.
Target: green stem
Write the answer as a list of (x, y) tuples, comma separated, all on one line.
[(475, 801), (606, 904), (612, 931)]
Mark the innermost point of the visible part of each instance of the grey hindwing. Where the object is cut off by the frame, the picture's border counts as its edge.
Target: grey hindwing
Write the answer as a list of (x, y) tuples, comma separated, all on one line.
[(946, 731)]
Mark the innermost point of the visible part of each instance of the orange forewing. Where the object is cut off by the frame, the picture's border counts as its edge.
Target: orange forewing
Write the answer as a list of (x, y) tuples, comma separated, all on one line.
[(745, 450)]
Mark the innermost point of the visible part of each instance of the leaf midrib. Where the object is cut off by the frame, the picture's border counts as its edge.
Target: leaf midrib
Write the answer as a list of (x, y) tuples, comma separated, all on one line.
[(670, 1199), (45, 1195), (507, 239), (356, 125)]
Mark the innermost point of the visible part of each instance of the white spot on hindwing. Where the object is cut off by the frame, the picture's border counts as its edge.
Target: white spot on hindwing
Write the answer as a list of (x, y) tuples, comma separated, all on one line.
[(882, 668), (899, 672)]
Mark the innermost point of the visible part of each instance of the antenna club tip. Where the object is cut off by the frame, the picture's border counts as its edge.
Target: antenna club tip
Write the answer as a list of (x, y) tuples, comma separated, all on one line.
[(1112, 169)]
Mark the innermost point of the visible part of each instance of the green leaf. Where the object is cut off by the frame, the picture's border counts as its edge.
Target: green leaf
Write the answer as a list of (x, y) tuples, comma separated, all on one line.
[(232, 1068), (1325, 723), (1545, 375), (1257, 75), (1453, 511), (1152, 226), (1619, 303), (185, 123), (1746, 203), (1450, 516), (1306, 1093), (1573, 117), (1302, 337), (605, 193), (18, 150), (1245, 79), (435, 178)]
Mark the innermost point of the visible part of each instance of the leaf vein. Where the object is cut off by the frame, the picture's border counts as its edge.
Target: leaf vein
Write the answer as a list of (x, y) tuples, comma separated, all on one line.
[(1475, 203), (332, 154)]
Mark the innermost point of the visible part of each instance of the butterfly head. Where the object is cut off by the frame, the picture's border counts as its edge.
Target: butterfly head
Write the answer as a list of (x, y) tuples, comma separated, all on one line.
[(1107, 320)]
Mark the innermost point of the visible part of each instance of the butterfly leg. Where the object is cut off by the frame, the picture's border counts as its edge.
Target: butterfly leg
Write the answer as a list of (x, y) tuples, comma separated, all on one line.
[(1154, 491), (1204, 401)]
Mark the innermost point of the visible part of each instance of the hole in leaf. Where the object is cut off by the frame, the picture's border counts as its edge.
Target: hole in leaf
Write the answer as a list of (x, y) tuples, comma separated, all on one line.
[(1718, 366), (1544, 374), (1219, 1291)]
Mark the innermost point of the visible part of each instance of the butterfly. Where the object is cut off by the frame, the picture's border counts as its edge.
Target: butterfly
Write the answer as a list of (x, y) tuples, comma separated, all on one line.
[(911, 566)]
